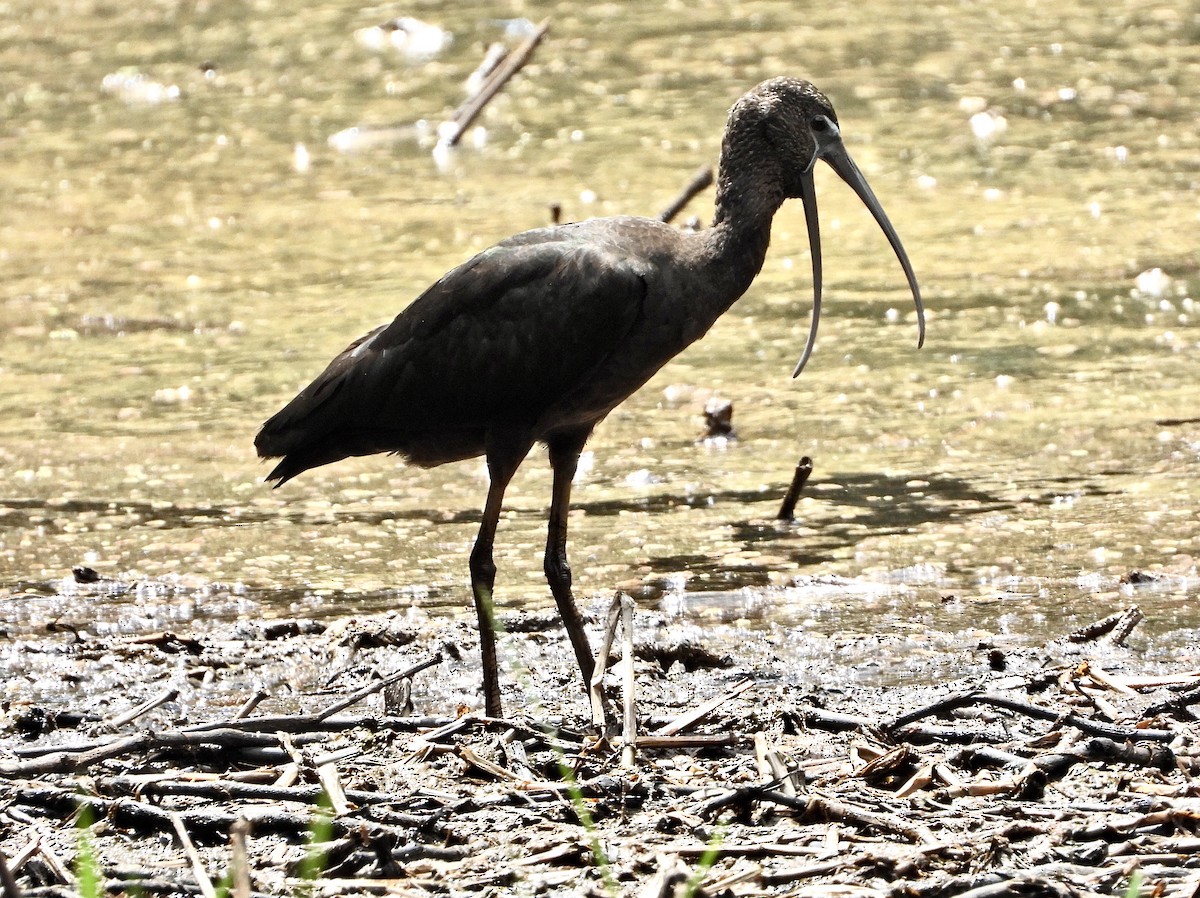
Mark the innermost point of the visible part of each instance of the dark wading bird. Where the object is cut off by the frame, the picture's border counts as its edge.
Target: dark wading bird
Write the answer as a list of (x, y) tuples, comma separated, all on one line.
[(541, 336)]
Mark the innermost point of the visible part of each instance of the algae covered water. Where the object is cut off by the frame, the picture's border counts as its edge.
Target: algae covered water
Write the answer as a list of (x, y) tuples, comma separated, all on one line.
[(183, 247)]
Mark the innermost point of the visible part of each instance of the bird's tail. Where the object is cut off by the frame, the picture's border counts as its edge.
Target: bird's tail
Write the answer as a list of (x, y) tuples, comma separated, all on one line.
[(301, 436), (314, 428)]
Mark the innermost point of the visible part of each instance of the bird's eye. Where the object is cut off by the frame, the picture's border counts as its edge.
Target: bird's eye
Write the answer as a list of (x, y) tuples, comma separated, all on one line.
[(820, 123)]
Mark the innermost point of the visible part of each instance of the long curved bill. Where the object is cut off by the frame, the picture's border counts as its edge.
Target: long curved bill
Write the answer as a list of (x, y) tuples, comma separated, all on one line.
[(830, 149)]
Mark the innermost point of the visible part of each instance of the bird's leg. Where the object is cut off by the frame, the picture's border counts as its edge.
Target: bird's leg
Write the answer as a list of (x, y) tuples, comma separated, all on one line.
[(502, 464), (564, 458)]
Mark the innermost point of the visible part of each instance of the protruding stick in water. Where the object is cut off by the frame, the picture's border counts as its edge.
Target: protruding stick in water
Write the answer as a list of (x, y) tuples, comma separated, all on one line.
[(788, 508)]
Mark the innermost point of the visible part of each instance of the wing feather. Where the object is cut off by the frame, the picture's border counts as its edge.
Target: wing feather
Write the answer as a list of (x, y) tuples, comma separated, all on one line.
[(495, 342)]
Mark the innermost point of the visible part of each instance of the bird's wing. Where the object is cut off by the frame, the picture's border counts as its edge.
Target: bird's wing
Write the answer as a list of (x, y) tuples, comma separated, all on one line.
[(498, 339), (508, 334)]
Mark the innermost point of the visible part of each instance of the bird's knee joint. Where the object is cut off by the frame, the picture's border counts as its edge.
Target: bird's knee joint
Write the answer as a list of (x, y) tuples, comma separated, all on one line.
[(558, 571)]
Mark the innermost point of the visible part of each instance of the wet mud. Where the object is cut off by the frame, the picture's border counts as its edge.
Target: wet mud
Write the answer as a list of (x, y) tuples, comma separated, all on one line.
[(348, 757)]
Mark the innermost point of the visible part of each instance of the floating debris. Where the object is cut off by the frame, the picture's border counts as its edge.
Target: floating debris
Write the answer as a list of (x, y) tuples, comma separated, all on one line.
[(356, 139), (1153, 282), (414, 40), (517, 29), (488, 79), (173, 395), (718, 418), (987, 127), (301, 160), (450, 133), (132, 87)]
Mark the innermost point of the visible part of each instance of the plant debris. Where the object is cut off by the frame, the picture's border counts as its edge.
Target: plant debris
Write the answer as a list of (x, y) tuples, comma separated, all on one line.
[(1055, 775)]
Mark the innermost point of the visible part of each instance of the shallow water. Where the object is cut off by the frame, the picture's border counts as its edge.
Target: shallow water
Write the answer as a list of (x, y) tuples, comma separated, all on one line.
[(172, 273)]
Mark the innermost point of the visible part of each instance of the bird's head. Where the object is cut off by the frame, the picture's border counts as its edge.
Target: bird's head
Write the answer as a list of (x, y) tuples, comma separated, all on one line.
[(795, 125)]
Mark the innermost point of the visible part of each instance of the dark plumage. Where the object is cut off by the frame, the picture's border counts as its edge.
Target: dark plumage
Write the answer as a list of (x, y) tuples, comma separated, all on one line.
[(541, 336)]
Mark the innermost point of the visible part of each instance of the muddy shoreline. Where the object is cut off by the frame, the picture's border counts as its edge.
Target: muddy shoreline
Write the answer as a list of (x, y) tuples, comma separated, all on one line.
[(1060, 768)]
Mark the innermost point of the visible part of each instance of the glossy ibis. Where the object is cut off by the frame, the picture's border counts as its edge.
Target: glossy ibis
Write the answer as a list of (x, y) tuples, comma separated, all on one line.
[(541, 336)]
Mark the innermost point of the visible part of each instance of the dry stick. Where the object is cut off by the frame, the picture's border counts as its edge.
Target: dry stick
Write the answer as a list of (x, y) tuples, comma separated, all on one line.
[(772, 768), (28, 850), (1118, 625), (56, 864), (331, 782), (372, 688), (760, 757), (73, 760), (211, 824), (1017, 885), (491, 768), (134, 713), (787, 511), (568, 851), (694, 716), (630, 729), (1130, 619), (920, 780), (329, 887), (312, 723), (334, 757), (552, 737), (239, 862), (193, 856), (791, 874), (251, 703), (512, 64), (231, 790), (1108, 681), (1099, 748), (669, 875), (829, 809), (1092, 727), (596, 686), (834, 721), (723, 885), (700, 181), (11, 889), (450, 728), (518, 759), (493, 57), (745, 849), (290, 773), (691, 741), (68, 761), (1095, 695), (814, 808)]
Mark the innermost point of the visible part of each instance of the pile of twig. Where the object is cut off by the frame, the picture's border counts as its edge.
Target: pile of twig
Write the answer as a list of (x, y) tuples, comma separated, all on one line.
[(1059, 780)]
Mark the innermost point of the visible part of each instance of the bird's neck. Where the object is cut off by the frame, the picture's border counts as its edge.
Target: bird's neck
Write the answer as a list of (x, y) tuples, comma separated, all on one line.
[(736, 244)]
